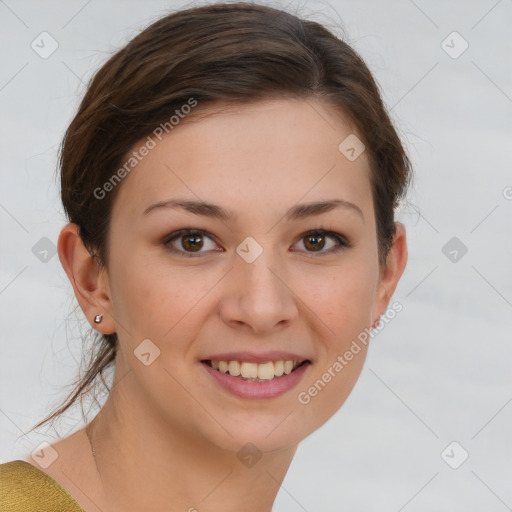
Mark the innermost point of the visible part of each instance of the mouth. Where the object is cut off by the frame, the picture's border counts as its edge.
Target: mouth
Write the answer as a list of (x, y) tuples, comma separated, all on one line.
[(251, 380), (256, 372)]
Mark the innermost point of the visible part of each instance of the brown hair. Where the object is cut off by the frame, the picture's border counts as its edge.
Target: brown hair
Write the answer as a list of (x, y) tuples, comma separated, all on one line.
[(222, 53)]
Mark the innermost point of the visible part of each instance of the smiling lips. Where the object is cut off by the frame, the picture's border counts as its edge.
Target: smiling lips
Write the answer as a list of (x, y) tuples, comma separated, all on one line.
[(254, 387)]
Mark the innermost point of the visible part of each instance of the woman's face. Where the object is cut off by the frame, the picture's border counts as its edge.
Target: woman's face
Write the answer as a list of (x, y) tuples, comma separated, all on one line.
[(251, 282)]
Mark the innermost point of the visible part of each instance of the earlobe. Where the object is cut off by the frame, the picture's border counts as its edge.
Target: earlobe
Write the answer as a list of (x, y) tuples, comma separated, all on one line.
[(390, 275), (88, 278)]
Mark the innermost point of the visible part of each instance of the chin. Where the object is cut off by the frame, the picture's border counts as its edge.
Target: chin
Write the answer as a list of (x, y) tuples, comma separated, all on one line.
[(265, 433)]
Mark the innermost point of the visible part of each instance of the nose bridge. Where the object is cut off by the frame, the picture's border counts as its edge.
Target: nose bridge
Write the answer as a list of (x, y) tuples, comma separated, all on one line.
[(259, 296), (257, 277)]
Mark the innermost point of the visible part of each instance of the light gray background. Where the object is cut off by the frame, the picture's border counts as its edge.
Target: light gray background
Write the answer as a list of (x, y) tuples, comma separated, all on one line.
[(439, 372)]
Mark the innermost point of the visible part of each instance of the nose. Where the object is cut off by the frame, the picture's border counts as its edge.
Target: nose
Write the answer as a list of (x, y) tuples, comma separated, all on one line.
[(259, 297)]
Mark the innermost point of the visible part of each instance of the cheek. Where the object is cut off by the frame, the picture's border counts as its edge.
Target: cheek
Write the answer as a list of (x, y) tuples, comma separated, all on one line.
[(343, 305), (157, 300), (142, 295), (342, 299)]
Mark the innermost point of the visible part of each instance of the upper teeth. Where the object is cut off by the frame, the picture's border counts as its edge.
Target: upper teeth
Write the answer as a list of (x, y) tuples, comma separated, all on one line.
[(263, 371)]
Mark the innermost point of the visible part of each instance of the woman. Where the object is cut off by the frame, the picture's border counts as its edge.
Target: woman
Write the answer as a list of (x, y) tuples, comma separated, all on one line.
[(230, 181)]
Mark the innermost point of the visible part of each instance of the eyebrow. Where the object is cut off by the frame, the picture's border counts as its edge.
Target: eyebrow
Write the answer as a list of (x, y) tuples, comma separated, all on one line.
[(298, 212)]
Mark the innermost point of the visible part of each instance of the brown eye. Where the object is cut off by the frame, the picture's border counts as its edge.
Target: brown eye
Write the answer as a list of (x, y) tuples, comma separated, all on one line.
[(316, 241), (189, 242)]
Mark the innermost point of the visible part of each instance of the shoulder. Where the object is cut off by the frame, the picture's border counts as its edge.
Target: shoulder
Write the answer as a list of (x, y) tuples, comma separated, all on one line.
[(24, 488)]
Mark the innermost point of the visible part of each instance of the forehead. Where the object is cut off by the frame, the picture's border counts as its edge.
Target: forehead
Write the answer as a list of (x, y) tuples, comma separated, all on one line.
[(271, 154)]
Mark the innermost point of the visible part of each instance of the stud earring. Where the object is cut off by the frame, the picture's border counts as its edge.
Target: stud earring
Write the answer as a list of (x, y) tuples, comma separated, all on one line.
[(98, 318)]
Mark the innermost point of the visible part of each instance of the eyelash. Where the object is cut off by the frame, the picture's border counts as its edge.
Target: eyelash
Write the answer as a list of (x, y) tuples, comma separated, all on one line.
[(342, 241)]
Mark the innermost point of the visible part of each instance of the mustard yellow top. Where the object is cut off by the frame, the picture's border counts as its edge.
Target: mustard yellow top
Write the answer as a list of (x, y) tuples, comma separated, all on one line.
[(24, 488)]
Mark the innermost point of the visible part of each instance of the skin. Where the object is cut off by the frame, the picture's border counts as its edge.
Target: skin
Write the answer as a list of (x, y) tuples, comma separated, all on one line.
[(167, 437)]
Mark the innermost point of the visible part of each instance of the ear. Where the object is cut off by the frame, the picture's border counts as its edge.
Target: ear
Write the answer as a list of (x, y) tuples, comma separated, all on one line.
[(390, 275), (89, 280)]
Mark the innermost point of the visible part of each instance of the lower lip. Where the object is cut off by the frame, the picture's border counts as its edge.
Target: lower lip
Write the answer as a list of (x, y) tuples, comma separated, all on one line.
[(246, 389)]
